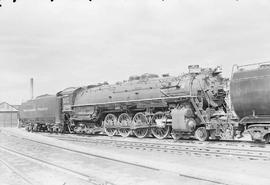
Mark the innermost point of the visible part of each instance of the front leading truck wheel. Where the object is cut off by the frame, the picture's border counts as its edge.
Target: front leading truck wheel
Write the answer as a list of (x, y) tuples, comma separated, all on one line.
[(201, 134), (176, 135)]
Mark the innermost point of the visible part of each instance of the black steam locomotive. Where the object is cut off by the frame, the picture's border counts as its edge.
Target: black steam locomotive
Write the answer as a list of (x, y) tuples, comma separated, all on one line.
[(190, 105)]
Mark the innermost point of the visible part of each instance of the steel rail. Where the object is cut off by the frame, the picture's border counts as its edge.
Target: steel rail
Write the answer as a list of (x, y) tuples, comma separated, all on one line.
[(17, 172), (176, 144), (83, 176)]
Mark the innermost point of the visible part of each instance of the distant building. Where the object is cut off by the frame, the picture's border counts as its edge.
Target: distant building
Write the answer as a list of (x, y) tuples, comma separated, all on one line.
[(8, 115), (16, 106)]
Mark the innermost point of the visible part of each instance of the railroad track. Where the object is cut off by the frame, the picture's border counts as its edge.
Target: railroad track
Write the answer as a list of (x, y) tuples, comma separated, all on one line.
[(19, 174), (217, 143), (85, 177), (240, 151), (200, 180), (220, 143)]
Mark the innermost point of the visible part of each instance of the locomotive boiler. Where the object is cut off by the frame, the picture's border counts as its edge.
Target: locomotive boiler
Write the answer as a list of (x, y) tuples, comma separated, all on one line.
[(250, 96), (183, 106)]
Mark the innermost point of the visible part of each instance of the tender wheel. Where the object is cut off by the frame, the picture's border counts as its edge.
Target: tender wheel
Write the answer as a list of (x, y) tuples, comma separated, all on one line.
[(162, 130), (267, 138), (124, 120), (27, 128), (110, 121), (140, 120), (202, 134)]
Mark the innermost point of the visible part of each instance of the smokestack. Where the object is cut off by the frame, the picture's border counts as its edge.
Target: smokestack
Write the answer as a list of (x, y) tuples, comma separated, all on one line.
[(31, 88)]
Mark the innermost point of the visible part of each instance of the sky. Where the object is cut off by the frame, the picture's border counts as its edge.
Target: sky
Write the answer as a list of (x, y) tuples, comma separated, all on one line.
[(77, 42)]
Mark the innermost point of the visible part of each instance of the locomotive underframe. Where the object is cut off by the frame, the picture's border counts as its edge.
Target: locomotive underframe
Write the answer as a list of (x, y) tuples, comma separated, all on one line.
[(257, 126), (41, 124)]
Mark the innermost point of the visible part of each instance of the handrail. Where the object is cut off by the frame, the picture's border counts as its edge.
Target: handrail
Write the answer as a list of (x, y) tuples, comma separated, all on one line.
[(134, 101), (247, 65), (253, 64)]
